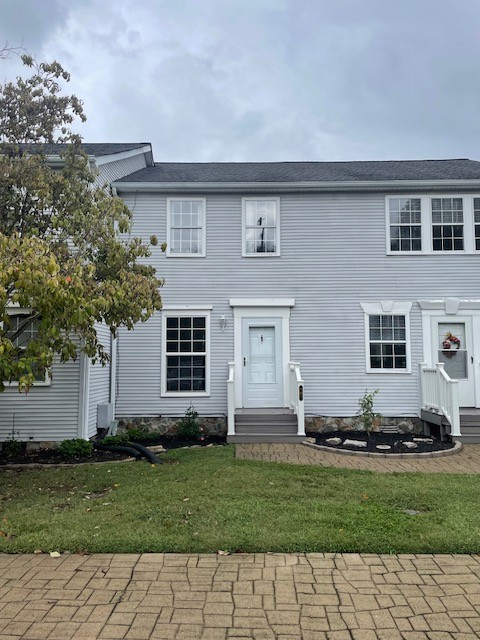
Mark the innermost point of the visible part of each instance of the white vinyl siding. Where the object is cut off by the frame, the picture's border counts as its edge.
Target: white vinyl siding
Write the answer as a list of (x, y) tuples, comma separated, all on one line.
[(186, 227), (260, 227)]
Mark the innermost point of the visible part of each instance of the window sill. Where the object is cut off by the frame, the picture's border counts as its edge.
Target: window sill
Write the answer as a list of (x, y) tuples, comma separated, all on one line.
[(47, 383), (261, 255), (186, 255), (389, 371), (185, 394)]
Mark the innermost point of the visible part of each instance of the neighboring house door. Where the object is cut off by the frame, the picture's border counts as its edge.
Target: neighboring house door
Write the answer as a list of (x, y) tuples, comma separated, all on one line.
[(452, 345), (262, 363)]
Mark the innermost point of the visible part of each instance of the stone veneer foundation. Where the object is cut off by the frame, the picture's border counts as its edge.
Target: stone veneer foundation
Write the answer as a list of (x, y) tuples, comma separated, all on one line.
[(217, 425)]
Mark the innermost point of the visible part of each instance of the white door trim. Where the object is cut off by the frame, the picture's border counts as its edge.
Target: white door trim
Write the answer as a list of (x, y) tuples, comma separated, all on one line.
[(438, 314), (271, 312)]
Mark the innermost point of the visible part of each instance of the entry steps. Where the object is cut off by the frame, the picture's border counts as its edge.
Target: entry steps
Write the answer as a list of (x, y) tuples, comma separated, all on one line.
[(265, 425), (469, 423)]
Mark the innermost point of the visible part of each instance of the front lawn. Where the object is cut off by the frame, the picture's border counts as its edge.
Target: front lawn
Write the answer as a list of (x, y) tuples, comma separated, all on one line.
[(205, 500)]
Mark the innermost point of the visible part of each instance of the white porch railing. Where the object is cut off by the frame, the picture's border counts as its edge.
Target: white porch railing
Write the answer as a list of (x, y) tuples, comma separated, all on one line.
[(296, 396), (231, 399), (439, 393)]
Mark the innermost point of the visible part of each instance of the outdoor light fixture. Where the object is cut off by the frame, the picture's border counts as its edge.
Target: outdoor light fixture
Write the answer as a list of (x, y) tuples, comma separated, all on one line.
[(222, 322)]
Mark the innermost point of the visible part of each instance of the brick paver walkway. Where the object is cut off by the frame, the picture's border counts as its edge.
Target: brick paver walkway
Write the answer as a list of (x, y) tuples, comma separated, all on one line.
[(466, 461), (258, 596)]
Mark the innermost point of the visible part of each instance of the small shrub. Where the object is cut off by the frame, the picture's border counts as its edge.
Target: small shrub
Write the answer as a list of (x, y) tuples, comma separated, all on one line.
[(135, 434), (11, 448), (76, 448), (366, 414), (188, 427), (116, 441)]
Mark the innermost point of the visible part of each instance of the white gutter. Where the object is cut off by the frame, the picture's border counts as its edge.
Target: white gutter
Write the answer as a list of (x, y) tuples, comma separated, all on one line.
[(350, 185)]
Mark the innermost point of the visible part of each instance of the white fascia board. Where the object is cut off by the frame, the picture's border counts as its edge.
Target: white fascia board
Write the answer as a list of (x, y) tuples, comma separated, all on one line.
[(275, 187), (262, 302), (123, 155)]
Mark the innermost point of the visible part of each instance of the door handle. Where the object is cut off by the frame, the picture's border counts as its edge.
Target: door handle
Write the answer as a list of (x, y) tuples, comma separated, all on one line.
[(244, 362)]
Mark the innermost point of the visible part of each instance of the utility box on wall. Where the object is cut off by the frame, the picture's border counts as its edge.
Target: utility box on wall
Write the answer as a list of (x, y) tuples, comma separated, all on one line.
[(104, 415)]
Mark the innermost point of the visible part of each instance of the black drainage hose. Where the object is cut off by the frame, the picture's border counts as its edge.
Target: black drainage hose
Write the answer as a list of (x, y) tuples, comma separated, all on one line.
[(134, 453), (149, 455)]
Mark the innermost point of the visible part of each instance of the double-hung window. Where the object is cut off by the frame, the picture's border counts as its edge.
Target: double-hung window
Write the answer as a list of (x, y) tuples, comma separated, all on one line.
[(405, 218), (476, 216), (186, 352), (433, 224), (447, 224), (261, 226), (21, 329), (387, 337), (186, 227)]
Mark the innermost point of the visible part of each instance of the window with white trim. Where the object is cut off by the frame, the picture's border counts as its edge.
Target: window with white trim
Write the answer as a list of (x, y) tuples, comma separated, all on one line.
[(185, 352), (388, 342), (261, 226), (186, 226), (476, 219), (432, 224), (447, 224), (21, 329), (387, 336), (405, 218)]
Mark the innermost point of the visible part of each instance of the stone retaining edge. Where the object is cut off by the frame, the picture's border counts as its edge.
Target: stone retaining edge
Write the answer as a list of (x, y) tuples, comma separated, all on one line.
[(370, 454)]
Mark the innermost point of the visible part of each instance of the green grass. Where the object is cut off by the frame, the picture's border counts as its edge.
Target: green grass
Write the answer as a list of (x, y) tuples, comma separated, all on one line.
[(205, 500)]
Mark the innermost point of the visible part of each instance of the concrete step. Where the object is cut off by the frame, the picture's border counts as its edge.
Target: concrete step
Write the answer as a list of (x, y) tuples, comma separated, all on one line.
[(265, 438), (275, 419), (263, 428)]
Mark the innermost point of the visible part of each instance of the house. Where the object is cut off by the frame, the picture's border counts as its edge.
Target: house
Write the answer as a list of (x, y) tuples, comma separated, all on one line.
[(303, 284), (291, 288), (79, 396)]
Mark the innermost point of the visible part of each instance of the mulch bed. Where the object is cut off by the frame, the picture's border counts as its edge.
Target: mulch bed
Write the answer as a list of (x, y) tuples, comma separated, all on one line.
[(53, 456), (395, 440)]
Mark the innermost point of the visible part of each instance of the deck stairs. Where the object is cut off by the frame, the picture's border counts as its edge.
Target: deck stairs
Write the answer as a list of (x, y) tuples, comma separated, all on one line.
[(469, 423), (265, 425)]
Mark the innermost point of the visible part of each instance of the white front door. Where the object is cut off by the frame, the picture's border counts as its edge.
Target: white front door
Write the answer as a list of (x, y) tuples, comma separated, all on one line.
[(452, 345), (262, 363)]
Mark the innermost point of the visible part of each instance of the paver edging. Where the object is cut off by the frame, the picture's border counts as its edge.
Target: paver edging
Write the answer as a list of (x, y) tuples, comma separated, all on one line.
[(458, 446)]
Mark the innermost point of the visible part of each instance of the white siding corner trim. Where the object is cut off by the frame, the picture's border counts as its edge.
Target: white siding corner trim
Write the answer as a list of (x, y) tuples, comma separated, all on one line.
[(84, 397)]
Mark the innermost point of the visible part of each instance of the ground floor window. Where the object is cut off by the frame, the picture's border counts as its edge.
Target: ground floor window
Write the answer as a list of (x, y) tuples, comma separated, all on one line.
[(186, 338), (387, 336)]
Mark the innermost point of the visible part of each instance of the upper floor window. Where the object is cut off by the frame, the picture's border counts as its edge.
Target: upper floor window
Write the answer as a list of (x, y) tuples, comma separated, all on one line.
[(261, 226), (476, 215), (447, 224), (186, 227), (433, 224), (405, 224)]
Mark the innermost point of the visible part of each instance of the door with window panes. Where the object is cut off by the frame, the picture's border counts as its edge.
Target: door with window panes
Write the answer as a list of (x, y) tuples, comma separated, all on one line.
[(453, 346)]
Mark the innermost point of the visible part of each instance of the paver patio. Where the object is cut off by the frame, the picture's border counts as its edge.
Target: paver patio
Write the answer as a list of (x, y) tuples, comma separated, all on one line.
[(466, 461), (259, 596)]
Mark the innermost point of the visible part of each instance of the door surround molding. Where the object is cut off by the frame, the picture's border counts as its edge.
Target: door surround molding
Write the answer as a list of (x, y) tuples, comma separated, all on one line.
[(259, 308), (452, 309)]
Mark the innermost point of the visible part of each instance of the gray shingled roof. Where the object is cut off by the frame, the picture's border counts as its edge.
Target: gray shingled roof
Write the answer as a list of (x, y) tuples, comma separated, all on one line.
[(96, 149), (460, 169)]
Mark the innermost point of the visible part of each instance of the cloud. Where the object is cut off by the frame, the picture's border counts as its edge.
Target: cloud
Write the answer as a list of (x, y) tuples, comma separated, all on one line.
[(269, 79)]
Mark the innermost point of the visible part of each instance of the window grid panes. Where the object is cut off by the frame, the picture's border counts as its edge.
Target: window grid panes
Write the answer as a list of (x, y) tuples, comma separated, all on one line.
[(186, 226), (447, 224), (260, 226), (388, 342), (476, 219), (186, 352), (405, 224), (28, 333)]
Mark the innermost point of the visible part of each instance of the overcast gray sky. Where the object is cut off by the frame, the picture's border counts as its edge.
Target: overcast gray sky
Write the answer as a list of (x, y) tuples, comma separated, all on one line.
[(235, 80)]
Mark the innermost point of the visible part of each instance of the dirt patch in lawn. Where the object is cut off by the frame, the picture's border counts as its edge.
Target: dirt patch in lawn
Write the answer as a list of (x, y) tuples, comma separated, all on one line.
[(378, 442)]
